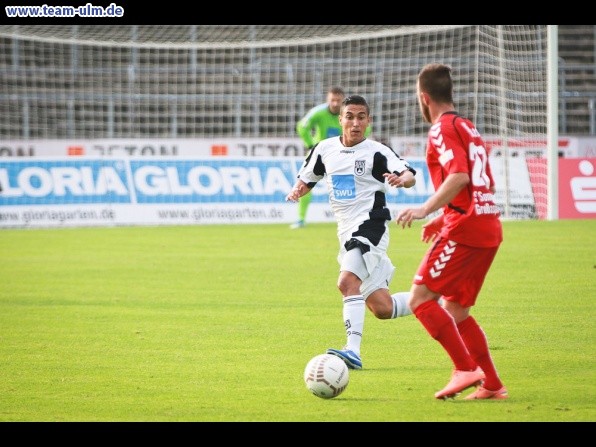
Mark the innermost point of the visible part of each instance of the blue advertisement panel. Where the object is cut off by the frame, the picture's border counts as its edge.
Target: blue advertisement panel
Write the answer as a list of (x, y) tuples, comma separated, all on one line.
[(211, 181), (87, 191), (39, 182)]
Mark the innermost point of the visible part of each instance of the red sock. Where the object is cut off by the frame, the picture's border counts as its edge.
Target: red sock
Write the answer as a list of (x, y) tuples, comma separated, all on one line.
[(475, 340), (440, 325)]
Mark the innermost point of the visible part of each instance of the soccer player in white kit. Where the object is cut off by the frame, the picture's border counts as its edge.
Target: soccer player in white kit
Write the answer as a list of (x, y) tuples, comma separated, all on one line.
[(358, 172)]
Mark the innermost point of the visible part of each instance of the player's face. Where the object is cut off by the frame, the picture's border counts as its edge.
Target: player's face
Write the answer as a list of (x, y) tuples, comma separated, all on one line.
[(424, 110), (354, 120), (334, 101)]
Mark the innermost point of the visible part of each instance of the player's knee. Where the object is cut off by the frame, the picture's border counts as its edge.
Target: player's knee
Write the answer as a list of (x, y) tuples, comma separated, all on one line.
[(348, 284), (380, 306), (415, 301), (419, 295), (382, 313)]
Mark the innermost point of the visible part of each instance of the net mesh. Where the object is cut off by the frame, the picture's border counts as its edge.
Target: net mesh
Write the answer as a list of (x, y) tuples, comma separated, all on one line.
[(201, 81)]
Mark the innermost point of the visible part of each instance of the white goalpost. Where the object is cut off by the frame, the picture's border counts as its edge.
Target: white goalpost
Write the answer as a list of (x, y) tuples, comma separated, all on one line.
[(552, 127)]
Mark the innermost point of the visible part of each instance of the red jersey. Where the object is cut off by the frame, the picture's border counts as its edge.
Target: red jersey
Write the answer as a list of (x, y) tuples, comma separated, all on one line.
[(455, 146)]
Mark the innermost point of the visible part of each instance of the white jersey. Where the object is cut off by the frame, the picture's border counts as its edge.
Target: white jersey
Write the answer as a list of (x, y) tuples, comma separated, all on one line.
[(355, 182)]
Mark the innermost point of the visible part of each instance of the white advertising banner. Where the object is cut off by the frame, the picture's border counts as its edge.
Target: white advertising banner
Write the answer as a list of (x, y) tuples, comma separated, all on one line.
[(189, 147), (407, 147)]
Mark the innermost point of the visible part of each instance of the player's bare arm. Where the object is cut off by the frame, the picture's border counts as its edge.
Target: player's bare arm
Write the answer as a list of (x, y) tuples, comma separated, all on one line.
[(452, 185), (300, 188), (404, 180)]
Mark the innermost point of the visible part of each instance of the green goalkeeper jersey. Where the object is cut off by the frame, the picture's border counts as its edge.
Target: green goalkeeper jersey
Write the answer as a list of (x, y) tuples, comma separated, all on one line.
[(319, 123)]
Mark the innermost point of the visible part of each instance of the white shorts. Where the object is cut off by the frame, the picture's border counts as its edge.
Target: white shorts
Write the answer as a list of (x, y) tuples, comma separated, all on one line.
[(379, 278)]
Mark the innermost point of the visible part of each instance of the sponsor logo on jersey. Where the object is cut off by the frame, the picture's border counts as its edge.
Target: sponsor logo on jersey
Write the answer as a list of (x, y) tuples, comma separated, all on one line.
[(344, 187)]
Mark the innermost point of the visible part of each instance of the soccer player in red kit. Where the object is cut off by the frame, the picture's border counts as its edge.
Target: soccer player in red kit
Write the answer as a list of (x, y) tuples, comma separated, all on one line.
[(465, 238)]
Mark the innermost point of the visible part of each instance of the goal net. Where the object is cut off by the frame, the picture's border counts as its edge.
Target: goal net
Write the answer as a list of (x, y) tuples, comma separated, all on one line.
[(222, 81)]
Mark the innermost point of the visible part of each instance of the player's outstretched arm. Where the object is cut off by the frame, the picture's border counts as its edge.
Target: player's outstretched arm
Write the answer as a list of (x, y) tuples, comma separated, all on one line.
[(300, 188), (404, 180), (304, 131), (452, 185)]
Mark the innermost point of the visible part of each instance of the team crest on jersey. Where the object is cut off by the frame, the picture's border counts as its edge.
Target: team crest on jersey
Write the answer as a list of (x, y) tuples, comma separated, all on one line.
[(359, 166)]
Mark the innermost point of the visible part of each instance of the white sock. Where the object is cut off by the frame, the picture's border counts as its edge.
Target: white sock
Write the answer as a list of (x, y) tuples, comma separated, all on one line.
[(400, 304), (354, 311)]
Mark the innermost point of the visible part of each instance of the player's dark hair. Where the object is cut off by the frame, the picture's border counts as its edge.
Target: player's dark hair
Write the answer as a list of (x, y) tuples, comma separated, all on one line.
[(436, 81), (356, 100)]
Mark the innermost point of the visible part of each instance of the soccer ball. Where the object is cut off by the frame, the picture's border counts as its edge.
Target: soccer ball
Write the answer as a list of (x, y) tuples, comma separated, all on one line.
[(326, 376)]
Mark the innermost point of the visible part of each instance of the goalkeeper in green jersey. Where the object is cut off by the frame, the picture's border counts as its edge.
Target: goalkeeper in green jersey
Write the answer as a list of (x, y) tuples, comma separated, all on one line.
[(320, 122)]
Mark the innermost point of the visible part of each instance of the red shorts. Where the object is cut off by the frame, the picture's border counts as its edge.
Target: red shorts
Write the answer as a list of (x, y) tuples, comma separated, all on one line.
[(455, 271)]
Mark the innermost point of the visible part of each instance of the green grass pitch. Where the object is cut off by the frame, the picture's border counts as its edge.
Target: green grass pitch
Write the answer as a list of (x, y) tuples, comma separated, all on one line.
[(216, 323)]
